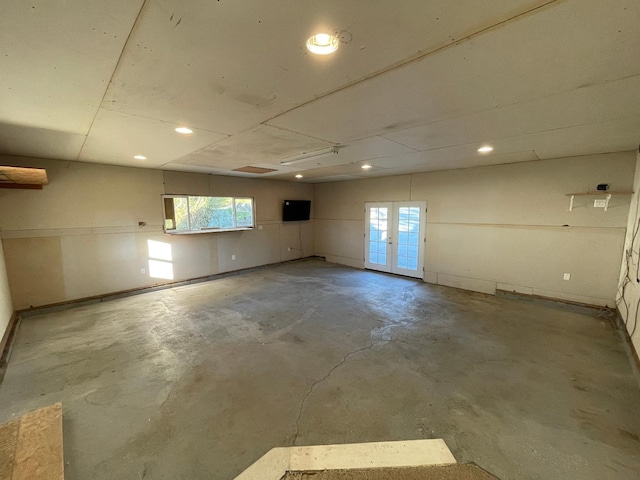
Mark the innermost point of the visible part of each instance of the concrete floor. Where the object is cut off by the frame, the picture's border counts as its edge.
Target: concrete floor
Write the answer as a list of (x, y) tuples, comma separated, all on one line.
[(197, 382)]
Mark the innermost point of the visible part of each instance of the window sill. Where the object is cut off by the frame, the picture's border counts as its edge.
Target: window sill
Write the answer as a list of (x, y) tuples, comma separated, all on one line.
[(208, 230)]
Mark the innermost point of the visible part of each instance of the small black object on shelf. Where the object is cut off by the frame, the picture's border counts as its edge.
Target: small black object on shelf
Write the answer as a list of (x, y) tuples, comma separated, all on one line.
[(603, 186)]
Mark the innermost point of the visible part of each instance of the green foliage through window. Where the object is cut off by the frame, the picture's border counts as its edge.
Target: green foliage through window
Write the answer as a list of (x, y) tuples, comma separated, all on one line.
[(184, 213)]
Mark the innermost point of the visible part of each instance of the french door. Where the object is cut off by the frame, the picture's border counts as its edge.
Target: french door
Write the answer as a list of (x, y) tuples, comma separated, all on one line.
[(394, 237)]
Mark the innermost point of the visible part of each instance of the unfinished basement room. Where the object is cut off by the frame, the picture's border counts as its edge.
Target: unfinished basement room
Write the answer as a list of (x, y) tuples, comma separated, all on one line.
[(319, 240)]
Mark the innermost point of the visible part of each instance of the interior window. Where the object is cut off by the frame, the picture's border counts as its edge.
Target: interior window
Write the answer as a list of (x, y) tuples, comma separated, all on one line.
[(196, 214)]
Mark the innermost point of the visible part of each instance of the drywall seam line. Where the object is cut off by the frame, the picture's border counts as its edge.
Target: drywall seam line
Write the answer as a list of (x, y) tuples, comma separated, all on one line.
[(537, 132), (300, 134), (524, 225), (113, 74), (129, 114), (499, 225), (493, 165), (75, 231), (507, 105), (414, 58), (382, 135), (67, 232)]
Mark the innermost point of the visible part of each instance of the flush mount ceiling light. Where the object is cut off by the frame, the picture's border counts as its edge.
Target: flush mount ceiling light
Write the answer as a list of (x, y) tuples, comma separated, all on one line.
[(485, 149), (298, 176), (323, 44), (184, 130), (366, 166), (308, 155), (139, 157)]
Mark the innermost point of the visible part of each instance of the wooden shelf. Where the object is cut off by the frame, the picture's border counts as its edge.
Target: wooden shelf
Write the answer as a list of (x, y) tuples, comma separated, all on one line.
[(598, 193)]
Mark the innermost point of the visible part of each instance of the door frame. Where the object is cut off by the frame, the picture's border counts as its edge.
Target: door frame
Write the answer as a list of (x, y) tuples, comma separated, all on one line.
[(392, 238), (367, 228)]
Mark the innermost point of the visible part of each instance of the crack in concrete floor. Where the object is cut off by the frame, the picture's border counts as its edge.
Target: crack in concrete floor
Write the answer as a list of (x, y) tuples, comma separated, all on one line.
[(317, 382)]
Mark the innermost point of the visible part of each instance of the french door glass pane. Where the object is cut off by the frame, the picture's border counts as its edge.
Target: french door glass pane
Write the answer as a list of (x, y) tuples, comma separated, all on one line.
[(408, 237), (378, 232)]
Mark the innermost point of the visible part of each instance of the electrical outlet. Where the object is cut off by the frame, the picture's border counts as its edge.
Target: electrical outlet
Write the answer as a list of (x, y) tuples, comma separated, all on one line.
[(599, 203), (567, 276), (233, 257)]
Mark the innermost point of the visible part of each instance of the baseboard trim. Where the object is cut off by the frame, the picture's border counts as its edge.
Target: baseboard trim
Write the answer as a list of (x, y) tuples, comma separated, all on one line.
[(7, 338), (55, 307), (552, 302), (6, 344), (612, 314), (634, 360)]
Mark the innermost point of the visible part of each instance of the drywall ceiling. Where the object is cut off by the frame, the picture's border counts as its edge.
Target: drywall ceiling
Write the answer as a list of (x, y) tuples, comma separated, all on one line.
[(414, 86)]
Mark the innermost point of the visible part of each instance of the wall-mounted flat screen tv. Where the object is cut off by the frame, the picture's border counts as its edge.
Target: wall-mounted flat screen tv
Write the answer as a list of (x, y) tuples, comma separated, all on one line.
[(296, 210)]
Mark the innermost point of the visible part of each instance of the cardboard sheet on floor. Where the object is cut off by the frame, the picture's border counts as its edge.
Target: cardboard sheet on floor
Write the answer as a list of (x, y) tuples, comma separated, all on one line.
[(31, 446), (440, 472)]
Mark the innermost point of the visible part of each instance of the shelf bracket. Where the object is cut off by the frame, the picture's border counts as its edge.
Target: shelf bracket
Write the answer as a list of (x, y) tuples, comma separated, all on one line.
[(571, 202), (606, 205)]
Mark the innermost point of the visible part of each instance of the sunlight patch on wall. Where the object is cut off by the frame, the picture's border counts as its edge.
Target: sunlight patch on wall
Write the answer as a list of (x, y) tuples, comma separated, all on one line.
[(159, 250), (160, 257)]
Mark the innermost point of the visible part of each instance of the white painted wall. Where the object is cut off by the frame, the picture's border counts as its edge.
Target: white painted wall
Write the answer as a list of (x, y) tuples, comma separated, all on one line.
[(499, 226), (6, 307), (628, 298), (79, 236), (487, 227)]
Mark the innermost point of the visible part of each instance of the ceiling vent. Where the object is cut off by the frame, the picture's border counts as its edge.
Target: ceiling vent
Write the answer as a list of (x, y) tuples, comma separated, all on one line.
[(258, 170)]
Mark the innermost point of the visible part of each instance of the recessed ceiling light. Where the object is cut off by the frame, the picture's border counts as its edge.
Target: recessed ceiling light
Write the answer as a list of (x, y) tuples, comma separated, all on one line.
[(366, 166), (184, 130), (485, 149), (323, 44), (139, 157), (298, 176)]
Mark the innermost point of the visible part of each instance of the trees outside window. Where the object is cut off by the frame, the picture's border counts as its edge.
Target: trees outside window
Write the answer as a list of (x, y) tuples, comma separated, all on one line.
[(191, 214)]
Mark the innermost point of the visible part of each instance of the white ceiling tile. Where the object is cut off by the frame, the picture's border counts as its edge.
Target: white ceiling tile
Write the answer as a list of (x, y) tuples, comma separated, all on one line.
[(606, 137), (450, 158), (348, 155), (438, 76), (226, 66), (364, 150), (261, 144), (39, 142), (56, 59), (589, 104), (558, 49), (115, 138)]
